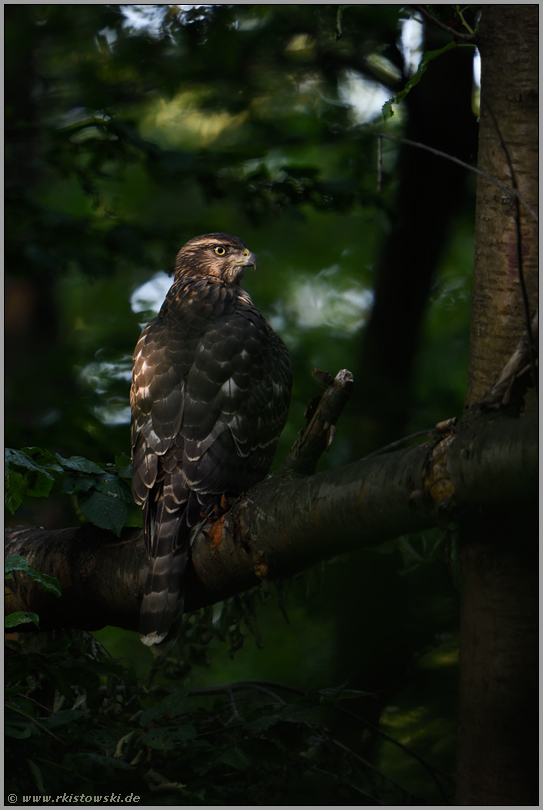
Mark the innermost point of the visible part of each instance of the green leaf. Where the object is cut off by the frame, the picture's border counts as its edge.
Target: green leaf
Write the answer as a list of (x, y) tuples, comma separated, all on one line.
[(124, 466), (15, 491), (428, 57), (186, 732), (114, 488), (236, 758), (175, 703), (263, 723), (83, 764), (40, 486), (20, 732), (104, 511), (63, 717), (387, 110), (36, 773), (78, 482), (20, 617), (149, 714), (18, 563), (159, 738), (22, 459), (339, 692), (79, 464), (45, 458)]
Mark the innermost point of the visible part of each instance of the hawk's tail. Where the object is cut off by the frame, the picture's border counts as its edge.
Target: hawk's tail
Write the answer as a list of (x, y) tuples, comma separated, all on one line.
[(163, 601), (167, 538)]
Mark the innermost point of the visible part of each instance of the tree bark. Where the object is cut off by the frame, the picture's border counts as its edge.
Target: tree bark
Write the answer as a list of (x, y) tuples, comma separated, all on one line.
[(508, 41), (283, 526), (497, 760)]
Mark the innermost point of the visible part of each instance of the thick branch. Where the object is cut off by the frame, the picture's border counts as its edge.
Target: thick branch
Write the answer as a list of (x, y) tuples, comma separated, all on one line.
[(283, 526)]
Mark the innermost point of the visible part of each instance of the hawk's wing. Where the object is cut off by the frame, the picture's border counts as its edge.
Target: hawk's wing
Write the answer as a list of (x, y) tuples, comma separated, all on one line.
[(209, 398)]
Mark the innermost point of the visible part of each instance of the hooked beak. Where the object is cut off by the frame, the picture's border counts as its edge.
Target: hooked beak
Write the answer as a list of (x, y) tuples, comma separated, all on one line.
[(248, 259)]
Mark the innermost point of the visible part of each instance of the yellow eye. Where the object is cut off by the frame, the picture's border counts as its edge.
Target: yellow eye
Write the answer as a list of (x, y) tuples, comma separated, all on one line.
[(220, 251)]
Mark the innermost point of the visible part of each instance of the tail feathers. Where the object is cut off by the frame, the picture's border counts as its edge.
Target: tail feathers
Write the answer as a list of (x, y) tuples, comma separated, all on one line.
[(163, 602), (168, 534)]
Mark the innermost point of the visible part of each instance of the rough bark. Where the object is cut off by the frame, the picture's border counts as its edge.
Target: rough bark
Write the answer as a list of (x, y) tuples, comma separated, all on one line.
[(498, 761), (497, 744), (283, 526), (508, 41)]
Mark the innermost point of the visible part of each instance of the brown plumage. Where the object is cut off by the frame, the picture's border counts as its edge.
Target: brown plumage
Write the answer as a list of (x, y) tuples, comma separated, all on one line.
[(209, 397)]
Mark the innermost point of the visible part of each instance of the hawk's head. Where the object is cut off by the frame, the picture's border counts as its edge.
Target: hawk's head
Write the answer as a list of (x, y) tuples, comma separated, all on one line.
[(215, 254)]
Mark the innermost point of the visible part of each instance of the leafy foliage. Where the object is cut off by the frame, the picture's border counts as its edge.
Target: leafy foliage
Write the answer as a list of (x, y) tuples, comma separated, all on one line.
[(51, 584), (80, 723), (388, 112), (103, 494)]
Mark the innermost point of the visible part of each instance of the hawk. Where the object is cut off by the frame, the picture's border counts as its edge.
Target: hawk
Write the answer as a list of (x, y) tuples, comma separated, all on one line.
[(209, 398)]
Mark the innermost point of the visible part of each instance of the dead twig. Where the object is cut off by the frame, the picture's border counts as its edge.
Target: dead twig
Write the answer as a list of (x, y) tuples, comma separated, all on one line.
[(322, 414), (518, 364)]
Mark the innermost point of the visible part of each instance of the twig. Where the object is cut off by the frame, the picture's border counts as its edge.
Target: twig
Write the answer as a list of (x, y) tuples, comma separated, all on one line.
[(374, 801), (379, 162), (464, 23), (295, 690), (518, 242), (457, 34), (27, 697), (426, 765), (511, 192), (373, 768), (229, 688), (430, 433), (339, 23), (37, 723), (264, 687), (233, 704), (500, 391)]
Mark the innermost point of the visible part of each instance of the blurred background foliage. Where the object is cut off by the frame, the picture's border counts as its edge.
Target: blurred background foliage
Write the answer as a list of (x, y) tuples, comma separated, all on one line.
[(129, 130)]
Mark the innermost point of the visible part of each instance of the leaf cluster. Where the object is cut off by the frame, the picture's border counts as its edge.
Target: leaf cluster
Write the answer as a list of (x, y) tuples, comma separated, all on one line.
[(102, 492), (81, 723), (48, 583)]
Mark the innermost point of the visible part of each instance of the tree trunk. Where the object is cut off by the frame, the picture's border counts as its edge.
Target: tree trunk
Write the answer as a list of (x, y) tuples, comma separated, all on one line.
[(497, 743), (508, 43)]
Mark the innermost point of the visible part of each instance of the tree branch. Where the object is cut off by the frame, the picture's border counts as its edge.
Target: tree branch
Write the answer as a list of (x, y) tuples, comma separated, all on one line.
[(511, 192), (283, 525), (457, 34), (322, 414)]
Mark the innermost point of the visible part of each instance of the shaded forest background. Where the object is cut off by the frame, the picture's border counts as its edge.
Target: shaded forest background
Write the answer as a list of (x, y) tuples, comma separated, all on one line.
[(130, 129)]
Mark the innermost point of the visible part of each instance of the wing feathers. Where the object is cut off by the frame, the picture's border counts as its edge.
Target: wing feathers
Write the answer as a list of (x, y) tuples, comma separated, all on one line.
[(210, 394)]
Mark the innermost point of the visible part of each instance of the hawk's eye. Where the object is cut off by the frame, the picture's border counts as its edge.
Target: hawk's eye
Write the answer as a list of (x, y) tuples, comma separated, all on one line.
[(220, 251)]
